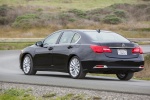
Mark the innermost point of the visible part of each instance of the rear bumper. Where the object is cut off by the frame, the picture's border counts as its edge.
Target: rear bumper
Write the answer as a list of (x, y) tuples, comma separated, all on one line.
[(113, 66), (114, 70)]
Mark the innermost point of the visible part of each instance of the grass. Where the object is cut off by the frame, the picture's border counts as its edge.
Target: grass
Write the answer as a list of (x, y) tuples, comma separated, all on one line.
[(12, 46), (49, 95), (22, 94), (144, 43), (26, 33), (16, 94), (66, 4), (42, 32)]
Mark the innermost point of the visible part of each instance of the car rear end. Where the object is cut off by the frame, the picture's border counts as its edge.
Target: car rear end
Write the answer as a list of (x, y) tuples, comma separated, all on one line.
[(112, 54)]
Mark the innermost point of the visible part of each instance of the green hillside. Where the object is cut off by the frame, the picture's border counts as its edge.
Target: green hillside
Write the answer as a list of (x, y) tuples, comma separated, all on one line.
[(38, 18), (66, 4)]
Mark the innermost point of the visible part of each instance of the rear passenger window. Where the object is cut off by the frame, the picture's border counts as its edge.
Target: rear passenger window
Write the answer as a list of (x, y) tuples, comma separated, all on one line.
[(66, 37), (75, 38)]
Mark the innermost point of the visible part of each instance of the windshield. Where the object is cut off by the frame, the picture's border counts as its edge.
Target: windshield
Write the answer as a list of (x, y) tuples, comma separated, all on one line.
[(106, 36)]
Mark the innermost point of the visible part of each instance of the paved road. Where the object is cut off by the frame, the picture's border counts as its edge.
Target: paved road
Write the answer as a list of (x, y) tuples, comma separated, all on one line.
[(10, 72)]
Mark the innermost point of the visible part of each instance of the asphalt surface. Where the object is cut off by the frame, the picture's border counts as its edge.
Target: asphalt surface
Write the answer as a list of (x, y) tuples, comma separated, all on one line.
[(10, 72)]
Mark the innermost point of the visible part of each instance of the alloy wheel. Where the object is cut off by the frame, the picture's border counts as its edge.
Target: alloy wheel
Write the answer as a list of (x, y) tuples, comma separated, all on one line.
[(26, 64), (74, 67)]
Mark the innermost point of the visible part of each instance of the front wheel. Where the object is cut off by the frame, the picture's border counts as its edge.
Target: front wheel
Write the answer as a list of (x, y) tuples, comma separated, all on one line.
[(75, 68), (27, 65), (125, 76)]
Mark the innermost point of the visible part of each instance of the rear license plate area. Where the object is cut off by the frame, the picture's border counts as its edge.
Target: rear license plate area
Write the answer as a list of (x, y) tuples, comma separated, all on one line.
[(122, 52)]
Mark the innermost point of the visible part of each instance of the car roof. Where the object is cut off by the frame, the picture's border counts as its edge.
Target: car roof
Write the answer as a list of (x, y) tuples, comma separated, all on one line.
[(84, 30)]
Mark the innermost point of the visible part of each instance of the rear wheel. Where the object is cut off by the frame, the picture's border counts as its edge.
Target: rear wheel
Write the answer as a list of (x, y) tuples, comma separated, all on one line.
[(75, 68), (27, 65), (125, 76)]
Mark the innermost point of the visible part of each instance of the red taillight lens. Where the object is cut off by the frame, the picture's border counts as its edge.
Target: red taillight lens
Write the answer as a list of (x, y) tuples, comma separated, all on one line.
[(137, 50), (100, 49)]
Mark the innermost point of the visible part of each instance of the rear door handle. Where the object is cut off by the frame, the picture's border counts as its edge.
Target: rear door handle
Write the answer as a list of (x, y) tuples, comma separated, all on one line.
[(50, 48), (69, 47)]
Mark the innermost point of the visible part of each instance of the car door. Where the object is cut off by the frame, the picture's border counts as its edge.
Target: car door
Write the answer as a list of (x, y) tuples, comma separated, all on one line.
[(61, 50), (43, 55)]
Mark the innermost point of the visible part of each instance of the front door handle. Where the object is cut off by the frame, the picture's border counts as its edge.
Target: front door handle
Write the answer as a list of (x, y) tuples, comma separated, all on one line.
[(50, 48), (69, 47)]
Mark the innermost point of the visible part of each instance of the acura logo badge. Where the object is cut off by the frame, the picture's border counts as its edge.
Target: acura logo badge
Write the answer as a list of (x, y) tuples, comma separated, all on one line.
[(123, 45)]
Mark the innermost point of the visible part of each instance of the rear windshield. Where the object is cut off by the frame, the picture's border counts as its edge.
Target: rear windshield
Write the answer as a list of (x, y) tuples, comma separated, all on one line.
[(106, 37)]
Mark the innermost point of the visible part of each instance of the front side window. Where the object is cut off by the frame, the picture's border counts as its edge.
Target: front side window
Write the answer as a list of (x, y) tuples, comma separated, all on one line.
[(66, 37), (52, 39)]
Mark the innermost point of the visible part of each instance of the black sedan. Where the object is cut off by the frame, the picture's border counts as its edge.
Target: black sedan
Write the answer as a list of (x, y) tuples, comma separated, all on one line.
[(79, 52)]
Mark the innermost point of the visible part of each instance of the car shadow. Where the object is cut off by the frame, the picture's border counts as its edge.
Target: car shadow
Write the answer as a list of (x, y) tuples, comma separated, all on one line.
[(86, 78), (100, 78), (54, 75)]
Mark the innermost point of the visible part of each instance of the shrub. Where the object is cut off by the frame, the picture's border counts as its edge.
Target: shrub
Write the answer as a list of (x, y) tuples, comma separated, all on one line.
[(78, 13), (72, 19), (63, 17), (3, 10), (39, 9), (66, 1), (3, 20), (145, 0), (120, 13), (147, 10), (120, 6), (25, 21), (112, 19), (95, 17), (147, 18), (141, 6)]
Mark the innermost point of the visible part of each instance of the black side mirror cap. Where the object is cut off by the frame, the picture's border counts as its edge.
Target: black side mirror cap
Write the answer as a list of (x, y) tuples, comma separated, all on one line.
[(39, 43)]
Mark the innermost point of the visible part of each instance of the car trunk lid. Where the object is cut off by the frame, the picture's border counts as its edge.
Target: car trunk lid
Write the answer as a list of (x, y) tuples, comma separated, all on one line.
[(120, 50)]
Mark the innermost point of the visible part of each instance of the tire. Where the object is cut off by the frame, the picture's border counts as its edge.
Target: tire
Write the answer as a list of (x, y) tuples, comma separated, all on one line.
[(75, 68), (125, 76), (27, 65)]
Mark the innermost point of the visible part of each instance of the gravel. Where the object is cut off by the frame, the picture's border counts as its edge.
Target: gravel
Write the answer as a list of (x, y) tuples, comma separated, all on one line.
[(39, 91)]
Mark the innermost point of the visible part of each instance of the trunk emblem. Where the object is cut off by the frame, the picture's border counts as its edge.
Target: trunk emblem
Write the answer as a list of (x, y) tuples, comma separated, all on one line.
[(123, 45)]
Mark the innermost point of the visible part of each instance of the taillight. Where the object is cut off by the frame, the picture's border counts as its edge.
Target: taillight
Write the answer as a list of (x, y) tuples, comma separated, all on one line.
[(137, 50), (100, 49)]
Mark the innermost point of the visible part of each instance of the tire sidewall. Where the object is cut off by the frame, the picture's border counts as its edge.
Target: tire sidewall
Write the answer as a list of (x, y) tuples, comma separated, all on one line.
[(127, 76), (75, 57), (30, 72)]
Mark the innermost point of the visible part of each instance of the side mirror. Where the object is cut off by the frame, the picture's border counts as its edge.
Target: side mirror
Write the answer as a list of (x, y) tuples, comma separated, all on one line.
[(39, 43)]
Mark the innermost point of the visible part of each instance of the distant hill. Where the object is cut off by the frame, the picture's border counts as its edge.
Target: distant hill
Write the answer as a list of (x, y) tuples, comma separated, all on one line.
[(123, 16), (66, 4)]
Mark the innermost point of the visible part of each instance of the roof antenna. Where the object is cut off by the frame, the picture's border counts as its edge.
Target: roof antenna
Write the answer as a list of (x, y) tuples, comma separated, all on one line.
[(98, 30)]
